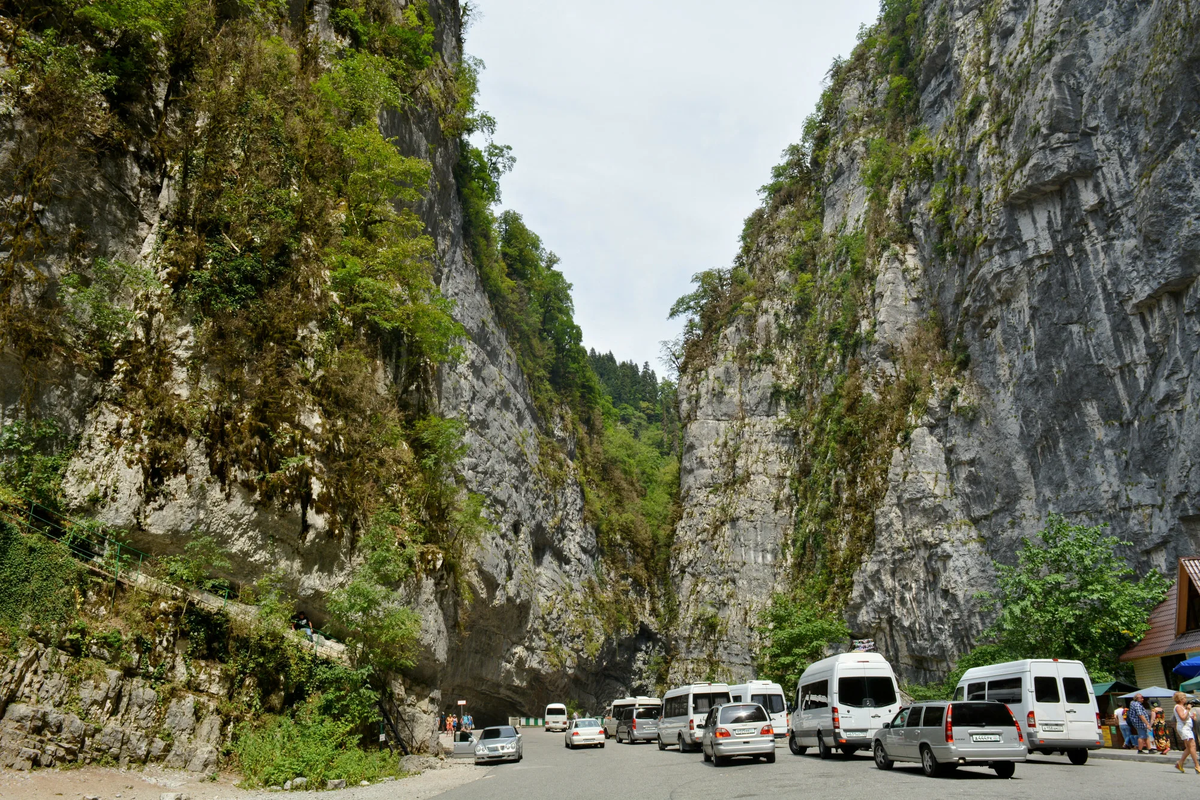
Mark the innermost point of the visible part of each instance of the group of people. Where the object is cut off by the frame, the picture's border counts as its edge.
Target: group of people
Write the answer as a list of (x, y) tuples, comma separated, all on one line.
[(1147, 728), (452, 723)]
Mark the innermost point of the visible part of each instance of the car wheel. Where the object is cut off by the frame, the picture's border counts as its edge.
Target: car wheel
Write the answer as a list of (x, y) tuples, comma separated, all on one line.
[(823, 750), (1005, 769), (929, 764), (769, 758), (796, 748), (602, 745), (707, 757), (1078, 757), (661, 744), (881, 757), (720, 761)]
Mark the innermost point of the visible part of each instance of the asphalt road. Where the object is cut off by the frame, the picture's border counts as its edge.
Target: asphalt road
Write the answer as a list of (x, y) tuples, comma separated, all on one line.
[(628, 772)]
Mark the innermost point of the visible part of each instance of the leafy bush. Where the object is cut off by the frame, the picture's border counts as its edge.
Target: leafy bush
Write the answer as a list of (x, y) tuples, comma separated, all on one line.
[(41, 581), (795, 633), (195, 566), (313, 745)]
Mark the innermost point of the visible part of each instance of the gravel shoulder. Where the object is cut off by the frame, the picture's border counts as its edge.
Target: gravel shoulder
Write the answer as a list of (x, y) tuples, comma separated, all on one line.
[(109, 783)]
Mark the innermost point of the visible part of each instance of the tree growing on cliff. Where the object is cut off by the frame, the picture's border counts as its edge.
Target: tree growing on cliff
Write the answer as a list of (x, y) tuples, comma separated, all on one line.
[(795, 633), (1071, 596)]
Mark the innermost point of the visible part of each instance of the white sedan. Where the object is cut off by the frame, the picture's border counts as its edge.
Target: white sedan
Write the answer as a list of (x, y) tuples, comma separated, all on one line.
[(584, 732)]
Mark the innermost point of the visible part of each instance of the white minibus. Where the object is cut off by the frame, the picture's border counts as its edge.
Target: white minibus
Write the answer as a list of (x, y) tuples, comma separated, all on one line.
[(1052, 700), (683, 711), (613, 712), (841, 701), (556, 717), (768, 695)]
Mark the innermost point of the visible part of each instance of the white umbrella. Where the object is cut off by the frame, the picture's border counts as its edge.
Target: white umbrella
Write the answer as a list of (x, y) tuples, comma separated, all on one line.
[(1152, 693)]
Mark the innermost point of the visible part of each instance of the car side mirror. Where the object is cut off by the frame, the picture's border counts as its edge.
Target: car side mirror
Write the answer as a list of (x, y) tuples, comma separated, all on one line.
[(887, 724)]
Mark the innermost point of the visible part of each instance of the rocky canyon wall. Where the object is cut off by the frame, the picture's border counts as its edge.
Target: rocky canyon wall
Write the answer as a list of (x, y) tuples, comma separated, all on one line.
[(1024, 175)]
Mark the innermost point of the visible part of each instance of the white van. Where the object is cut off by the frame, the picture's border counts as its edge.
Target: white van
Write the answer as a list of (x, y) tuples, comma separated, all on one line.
[(556, 717), (683, 711), (1051, 699), (841, 701), (768, 695), (613, 713)]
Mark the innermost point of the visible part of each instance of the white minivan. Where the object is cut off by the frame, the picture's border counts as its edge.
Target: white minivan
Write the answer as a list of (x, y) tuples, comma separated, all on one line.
[(1051, 699), (841, 701), (613, 712), (768, 695), (683, 711), (556, 717)]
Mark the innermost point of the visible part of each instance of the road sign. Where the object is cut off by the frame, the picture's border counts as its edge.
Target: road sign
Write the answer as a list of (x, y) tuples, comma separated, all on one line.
[(462, 702)]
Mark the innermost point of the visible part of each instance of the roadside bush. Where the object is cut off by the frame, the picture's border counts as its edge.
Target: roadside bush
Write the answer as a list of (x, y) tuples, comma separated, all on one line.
[(313, 745), (40, 580)]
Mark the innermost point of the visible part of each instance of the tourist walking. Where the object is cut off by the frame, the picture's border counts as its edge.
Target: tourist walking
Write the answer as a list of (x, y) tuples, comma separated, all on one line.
[(1123, 724), (1139, 720), (1185, 726)]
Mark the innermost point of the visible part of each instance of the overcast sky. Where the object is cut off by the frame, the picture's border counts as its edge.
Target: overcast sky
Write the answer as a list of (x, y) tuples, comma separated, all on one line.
[(642, 131)]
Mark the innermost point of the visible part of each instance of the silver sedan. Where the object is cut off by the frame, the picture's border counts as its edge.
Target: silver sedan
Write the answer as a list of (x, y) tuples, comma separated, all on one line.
[(584, 733), (501, 743), (738, 729)]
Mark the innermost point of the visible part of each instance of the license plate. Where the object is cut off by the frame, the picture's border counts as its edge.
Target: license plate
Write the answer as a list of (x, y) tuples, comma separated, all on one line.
[(743, 731), (855, 733), (985, 737), (1052, 727)]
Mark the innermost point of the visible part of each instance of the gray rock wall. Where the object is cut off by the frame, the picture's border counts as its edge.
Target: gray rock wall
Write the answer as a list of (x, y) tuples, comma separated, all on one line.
[(1078, 307)]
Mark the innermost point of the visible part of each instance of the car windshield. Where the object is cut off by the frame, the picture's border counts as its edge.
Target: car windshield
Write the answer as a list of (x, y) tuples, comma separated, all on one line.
[(503, 732), (742, 713), (866, 692), (587, 723), (981, 715), (557, 711), (773, 703), (646, 713)]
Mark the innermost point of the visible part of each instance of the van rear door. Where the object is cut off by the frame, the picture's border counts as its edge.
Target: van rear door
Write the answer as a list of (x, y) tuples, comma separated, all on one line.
[(773, 703), (866, 697), (1079, 703), (1047, 706)]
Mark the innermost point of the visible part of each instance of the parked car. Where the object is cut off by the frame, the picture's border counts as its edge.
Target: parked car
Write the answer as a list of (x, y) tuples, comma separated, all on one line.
[(945, 735), (841, 701), (1052, 700), (464, 744), (499, 743), (638, 724), (587, 732), (738, 729), (612, 714), (770, 696), (556, 717), (684, 711)]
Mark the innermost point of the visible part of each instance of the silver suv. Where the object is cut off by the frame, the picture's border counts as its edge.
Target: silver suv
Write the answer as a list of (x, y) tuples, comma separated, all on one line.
[(738, 729), (638, 724), (944, 735)]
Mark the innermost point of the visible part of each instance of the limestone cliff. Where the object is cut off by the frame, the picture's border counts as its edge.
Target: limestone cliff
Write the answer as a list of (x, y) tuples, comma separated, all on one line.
[(153, 459), (995, 206)]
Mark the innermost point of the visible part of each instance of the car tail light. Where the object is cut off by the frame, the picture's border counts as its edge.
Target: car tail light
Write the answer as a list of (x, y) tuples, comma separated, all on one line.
[(1031, 721), (837, 722), (1020, 736), (691, 724), (1097, 719), (722, 733), (574, 733), (949, 724), (767, 730), (633, 724)]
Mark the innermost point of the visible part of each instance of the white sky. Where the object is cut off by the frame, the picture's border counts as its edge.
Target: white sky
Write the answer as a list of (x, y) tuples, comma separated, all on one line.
[(642, 131)]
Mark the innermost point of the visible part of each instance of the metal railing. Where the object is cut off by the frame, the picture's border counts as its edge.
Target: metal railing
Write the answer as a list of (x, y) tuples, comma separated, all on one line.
[(86, 541)]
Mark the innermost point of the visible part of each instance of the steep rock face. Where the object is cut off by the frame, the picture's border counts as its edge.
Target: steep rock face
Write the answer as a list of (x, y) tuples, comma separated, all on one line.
[(1054, 241), (518, 643)]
